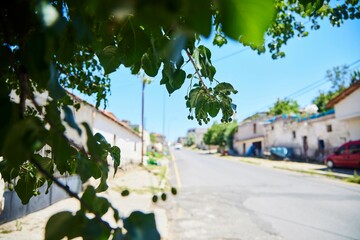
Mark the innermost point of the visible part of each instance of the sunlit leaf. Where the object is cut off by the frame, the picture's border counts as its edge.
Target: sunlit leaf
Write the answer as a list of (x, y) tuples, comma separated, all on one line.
[(247, 20)]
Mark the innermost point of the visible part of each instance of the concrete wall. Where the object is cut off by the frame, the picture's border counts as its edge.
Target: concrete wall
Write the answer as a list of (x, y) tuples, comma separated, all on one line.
[(348, 112), (14, 209), (117, 135), (114, 132), (248, 130), (248, 133), (239, 145), (353, 125), (349, 107)]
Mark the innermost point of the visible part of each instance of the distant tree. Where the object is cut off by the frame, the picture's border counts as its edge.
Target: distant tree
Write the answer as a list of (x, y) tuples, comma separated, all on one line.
[(355, 77), (190, 140), (285, 106), (340, 79), (153, 138), (220, 134), (322, 99)]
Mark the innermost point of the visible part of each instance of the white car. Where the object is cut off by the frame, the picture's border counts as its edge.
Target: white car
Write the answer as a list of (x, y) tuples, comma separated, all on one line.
[(178, 146)]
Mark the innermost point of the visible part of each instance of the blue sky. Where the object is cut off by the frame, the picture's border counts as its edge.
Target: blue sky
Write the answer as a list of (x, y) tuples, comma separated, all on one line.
[(259, 79)]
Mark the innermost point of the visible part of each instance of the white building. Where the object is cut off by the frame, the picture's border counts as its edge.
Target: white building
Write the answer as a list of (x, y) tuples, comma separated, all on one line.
[(115, 132), (250, 137), (198, 134), (347, 110), (310, 137)]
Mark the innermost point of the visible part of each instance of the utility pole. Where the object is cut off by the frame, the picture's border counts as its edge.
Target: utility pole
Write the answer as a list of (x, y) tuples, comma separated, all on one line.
[(142, 122)]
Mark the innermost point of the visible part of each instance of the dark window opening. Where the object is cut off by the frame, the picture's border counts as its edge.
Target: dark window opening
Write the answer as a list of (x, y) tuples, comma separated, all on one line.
[(254, 127), (329, 128), (293, 134), (354, 149)]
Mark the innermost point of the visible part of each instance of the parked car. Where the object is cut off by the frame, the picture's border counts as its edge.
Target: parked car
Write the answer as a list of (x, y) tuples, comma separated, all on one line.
[(347, 155), (178, 146)]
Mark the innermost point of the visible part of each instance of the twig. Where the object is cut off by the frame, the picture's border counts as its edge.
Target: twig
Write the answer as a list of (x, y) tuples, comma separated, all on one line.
[(197, 72)]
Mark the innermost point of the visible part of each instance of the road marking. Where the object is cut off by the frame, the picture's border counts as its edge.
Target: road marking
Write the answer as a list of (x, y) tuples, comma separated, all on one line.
[(177, 175)]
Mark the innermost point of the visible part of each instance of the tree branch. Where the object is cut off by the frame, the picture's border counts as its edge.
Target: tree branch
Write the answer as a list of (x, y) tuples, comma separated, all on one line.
[(197, 72)]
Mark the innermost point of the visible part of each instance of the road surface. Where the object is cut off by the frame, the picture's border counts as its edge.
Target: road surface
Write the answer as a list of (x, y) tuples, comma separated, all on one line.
[(224, 199)]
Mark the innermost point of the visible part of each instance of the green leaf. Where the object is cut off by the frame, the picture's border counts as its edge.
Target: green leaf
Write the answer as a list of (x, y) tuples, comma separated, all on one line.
[(311, 6), (177, 79), (133, 42), (225, 87), (23, 138), (110, 58), (61, 151), (58, 225), (55, 90), (45, 162), (99, 205), (69, 118), (214, 108), (141, 226), (150, 63), (116, 156), (25, 187), (247, 20), (201, 21), (96, 229)]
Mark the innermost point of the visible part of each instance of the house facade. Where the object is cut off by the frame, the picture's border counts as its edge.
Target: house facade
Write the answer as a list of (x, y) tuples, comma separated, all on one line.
[(347, 110), (250, 137), (198, 134), (99, 121), (114, 131), (308, 138)]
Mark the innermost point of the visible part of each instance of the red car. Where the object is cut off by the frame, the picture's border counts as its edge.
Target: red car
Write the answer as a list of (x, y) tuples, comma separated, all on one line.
[(347, 155)]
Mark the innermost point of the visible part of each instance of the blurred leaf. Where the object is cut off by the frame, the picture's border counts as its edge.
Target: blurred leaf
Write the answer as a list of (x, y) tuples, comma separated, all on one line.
[(69, 118), (150, 64), (109, 58), (247, 20), (201, 21), (214, 108), (116, 156), (141, 226), (23, 138), (96, 229), (64, 224), (25, 187)]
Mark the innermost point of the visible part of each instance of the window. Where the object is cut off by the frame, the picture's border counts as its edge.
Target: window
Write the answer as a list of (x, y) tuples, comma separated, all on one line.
[(354, 149), (329, 128), (244, 148), (294, 134), (341, 150), (272, 127), (254, 127)]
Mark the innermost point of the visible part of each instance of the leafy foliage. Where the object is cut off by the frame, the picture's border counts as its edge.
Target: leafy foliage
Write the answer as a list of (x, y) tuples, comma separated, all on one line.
[(340, 79), (285, 106), (55, 45), (220, 134)]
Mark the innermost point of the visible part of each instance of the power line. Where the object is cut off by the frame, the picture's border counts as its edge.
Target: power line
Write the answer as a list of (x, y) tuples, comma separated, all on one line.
[(309, 87)]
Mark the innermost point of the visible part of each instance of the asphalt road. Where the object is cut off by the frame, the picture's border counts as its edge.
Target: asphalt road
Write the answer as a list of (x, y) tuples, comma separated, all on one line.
[(223, 199)]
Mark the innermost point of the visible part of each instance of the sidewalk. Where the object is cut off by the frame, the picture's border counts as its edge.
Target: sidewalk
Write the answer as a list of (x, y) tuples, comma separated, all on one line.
[(141, 182)]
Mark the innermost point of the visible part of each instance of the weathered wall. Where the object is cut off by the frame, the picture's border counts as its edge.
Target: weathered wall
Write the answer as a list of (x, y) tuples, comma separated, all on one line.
[(13, 208), (290, 133), (348, 107)]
